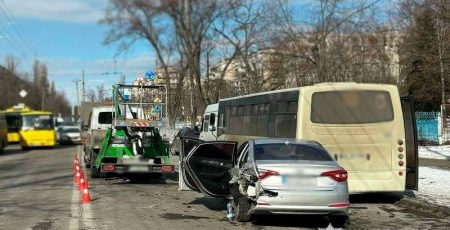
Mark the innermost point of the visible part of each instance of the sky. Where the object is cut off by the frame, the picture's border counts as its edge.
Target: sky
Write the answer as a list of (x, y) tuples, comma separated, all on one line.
[(66, 36)]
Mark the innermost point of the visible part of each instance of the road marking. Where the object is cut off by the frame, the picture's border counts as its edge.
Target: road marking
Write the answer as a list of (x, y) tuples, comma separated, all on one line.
[(75, 209), (86, 212)]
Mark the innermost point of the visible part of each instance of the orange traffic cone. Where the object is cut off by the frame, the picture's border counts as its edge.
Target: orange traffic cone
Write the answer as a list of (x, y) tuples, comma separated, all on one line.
[(76, 179), (85, 197), (75, 163), (76, 169), (82, 184)]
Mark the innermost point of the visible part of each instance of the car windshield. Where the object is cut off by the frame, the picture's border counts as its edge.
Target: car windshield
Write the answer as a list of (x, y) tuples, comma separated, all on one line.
[(290, 151), (72, 130), (37, 122)]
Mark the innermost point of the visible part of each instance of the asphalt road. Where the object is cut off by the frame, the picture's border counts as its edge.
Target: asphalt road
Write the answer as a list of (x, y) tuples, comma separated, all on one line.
[(37, 192), (35, 188)]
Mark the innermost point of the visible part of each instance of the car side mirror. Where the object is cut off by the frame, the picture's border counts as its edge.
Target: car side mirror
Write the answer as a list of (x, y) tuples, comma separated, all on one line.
[(212, 128), (220, 131)]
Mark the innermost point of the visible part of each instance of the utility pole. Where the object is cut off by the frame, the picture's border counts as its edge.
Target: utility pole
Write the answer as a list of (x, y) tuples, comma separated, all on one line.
[(83, 89), (78, 96)]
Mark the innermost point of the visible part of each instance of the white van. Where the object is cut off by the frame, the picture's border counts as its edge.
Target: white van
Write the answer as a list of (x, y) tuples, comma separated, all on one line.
[(209, 125)]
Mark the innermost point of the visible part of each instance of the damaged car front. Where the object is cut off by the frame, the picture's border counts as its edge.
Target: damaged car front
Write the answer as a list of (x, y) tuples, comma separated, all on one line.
[(288, 176), (268, 176)]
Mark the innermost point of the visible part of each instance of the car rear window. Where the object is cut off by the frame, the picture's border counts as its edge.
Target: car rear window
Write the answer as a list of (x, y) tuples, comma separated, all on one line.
[(290, 151), (351, 107), (105, 117)]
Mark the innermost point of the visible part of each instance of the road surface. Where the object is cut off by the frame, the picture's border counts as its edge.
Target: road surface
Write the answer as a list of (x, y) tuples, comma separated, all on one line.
[(37, 192)]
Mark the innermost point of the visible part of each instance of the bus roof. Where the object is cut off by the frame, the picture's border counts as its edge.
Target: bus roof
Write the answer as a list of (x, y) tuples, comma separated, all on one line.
[(262, 93), (37, 113), (319, 85)]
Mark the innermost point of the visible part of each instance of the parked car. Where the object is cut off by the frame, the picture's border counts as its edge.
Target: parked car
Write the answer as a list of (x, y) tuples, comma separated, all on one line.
[(68, 135), (184, 132), (268, 176)]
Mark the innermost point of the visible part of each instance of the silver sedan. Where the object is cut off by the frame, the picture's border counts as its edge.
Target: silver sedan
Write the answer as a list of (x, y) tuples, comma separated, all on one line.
[(269, 176)]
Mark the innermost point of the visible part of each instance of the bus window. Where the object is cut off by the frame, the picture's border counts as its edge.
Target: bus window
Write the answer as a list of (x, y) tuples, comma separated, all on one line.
[(248, 126), (13, 123), (286, 119), (263, 120), (206, 123), (351, 107), (212, 119)]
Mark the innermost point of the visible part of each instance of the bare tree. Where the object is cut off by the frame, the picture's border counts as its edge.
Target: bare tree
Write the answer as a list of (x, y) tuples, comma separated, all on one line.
[(325, 43), (157, 22)]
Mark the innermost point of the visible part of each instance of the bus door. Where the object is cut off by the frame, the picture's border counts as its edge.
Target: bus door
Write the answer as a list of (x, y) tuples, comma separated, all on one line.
[(412, 156)]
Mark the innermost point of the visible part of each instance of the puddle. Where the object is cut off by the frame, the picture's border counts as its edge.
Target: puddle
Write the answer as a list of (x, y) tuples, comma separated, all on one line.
[(176, 216)]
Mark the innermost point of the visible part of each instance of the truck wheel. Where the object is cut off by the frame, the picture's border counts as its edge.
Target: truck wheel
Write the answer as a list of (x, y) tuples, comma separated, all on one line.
[(95, 172), (242, 208), (86, 159)]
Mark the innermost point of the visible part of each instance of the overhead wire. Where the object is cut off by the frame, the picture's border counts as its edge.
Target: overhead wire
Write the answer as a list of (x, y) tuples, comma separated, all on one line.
[(13, 23)]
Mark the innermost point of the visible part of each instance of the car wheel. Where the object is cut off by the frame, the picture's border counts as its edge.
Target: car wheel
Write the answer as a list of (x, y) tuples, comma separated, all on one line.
[(242, 208), (338, 221)]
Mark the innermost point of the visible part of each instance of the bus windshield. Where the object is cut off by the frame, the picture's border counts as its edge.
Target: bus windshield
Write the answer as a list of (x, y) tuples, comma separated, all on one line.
[(351, 107), (37, 122)]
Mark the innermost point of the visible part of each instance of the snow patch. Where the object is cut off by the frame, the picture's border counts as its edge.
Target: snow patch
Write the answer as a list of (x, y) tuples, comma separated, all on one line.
[(441, 152), (434, 185)]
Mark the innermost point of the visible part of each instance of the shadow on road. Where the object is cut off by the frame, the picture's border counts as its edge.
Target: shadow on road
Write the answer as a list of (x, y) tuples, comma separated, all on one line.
[(13, 151), (376, 198), (297, 221), (135, 179), (211, 203), (16, 149)]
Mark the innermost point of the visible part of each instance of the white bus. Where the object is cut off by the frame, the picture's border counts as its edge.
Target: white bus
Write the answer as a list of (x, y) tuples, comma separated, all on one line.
[(361, 125)]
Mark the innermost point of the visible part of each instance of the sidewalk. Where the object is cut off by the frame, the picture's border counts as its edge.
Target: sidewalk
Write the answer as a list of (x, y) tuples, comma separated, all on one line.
[(434, 174), (441, 152)]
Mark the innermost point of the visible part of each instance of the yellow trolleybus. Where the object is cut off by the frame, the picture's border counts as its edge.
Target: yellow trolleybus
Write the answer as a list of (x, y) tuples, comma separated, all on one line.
[(30, 128)]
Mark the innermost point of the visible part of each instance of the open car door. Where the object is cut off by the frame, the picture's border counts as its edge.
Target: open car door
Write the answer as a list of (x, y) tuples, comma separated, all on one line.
[(412, 153), (185, 181), (208, 165)]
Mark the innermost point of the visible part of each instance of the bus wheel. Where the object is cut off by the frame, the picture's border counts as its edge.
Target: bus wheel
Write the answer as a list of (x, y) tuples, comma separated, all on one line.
[(25, 148), (2, 148)]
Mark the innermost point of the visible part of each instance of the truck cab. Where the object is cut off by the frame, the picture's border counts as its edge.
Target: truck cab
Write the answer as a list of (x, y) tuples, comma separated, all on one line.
[(209, 123), (100, 119)]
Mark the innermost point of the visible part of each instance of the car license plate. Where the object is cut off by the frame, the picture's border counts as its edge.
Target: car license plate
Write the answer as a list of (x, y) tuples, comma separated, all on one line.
[(138, 168), (299, 182)]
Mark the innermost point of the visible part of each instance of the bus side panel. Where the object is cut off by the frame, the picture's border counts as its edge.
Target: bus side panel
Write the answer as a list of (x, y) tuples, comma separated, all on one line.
[(412, 156)]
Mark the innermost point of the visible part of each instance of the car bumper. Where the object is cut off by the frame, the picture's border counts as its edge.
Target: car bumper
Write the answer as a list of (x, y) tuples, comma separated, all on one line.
[(304, 202), (298, 209), (137, 168), (77, 142)]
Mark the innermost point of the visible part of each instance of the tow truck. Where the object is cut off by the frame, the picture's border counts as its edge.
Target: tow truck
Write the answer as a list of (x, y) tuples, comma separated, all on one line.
[(133, 145)]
